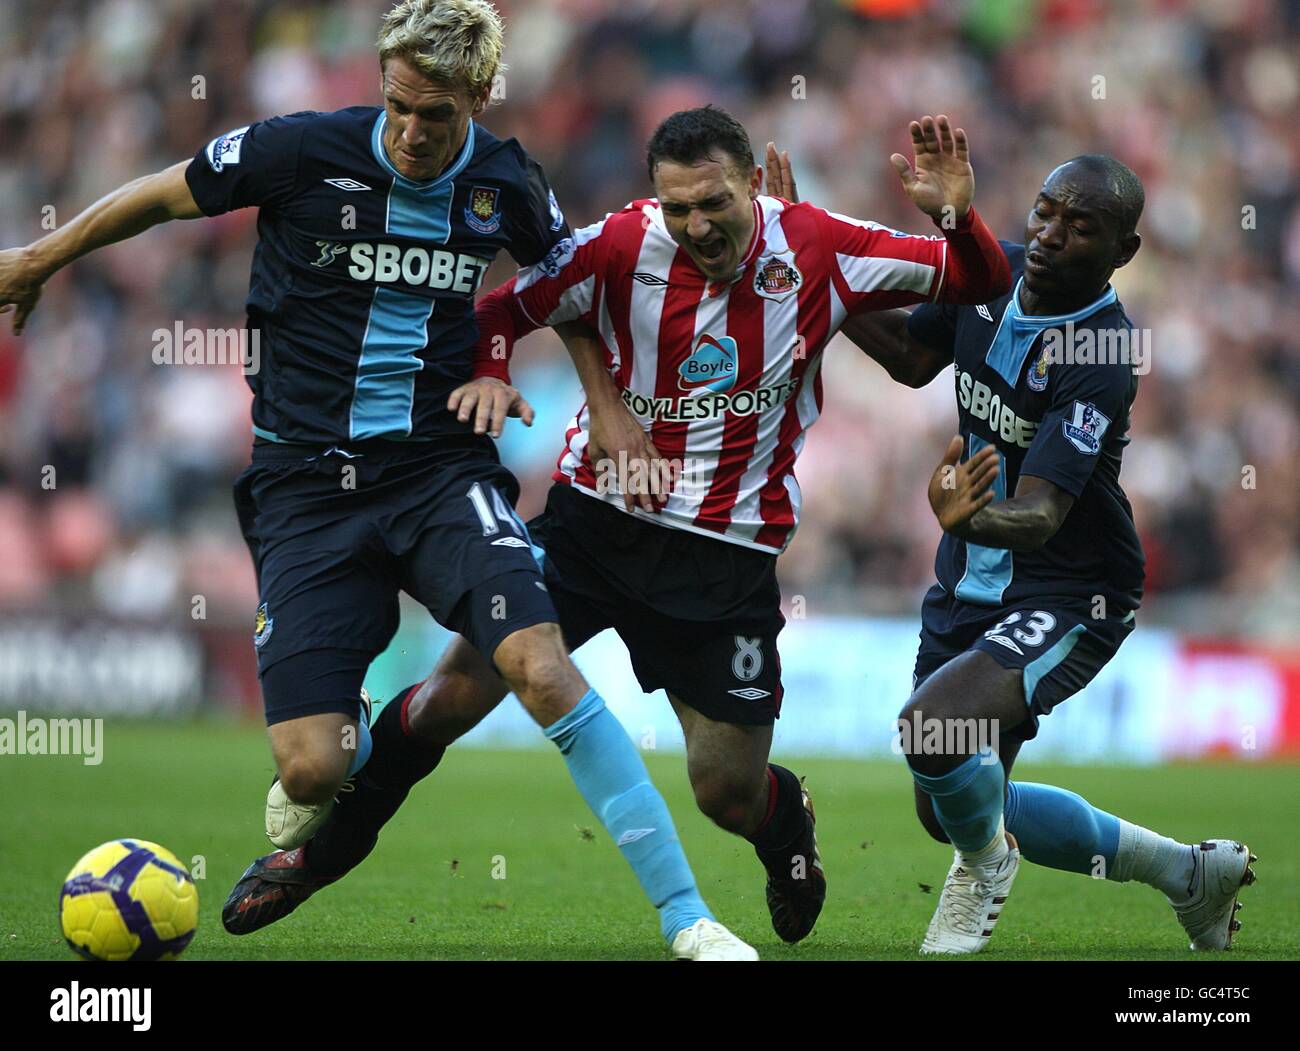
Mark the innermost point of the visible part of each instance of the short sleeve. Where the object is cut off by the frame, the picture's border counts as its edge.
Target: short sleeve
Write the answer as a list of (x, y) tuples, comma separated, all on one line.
[(1088, 409), (538, 225), (935, 325), (876, 268), (562, 286), (252, 166)]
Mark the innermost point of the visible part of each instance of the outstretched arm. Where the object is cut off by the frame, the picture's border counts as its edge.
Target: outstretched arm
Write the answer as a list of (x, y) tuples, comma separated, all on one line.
[(127, 211), (941, 183), (617, 442), (882, 335)]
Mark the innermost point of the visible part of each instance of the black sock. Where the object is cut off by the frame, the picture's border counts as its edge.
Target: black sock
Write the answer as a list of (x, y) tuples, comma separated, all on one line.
[(786, 818), (397, 762)]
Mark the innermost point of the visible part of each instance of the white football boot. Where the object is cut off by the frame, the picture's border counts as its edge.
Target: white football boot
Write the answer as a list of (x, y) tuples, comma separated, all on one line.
[(970, 904), (290, 824), (709, 940), (1220, 868)]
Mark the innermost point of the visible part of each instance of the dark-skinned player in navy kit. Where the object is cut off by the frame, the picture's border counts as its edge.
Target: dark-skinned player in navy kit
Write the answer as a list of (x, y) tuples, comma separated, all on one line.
[(1040, 568)]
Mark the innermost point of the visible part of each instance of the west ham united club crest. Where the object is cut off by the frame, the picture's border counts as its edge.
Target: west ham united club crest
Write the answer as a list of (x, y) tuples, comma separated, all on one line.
[(262, 627), (778, 277), (483, 213), (1036, 377)]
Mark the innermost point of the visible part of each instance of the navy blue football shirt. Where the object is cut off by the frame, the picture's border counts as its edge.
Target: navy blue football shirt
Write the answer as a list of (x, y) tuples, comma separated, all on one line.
[(1031, 387), (363, 281)]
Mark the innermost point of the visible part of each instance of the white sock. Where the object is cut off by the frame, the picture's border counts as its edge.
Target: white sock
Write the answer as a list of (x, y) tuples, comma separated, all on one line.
[(1153, 859), (990, 856)]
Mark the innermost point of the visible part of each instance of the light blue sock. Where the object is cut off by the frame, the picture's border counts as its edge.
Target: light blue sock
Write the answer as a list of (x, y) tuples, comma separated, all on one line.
[(1061, 829), (609, 773), (967, 801), (364, 745)]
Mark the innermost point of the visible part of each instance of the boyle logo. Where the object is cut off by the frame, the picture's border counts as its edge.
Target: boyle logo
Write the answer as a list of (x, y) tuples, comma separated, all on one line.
[(711, 367)]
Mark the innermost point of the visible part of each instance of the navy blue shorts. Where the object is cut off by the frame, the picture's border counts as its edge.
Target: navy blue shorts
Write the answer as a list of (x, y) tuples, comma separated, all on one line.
[(1056, 643), (335, 535), (699, 616)]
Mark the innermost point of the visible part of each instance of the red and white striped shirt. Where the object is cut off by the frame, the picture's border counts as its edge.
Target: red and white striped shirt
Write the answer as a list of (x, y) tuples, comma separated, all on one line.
[(727, 376)]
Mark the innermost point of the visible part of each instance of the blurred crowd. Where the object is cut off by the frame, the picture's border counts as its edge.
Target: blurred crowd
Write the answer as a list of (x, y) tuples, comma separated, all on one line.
[(115, 472)]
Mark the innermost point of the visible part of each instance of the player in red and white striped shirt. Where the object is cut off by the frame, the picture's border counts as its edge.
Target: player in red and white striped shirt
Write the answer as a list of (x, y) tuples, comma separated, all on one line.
[(697, 321), (713, 331)]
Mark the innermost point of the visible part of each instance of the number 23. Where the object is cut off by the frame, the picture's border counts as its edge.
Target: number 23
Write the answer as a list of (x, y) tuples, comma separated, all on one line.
[(1040, 622)]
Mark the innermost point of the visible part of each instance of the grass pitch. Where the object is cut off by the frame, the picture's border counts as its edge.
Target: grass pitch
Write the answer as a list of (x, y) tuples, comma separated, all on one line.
[(496, 857)]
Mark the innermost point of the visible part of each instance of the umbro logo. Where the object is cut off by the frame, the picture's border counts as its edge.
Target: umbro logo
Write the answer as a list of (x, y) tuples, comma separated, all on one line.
[(653, 280), (750, 693), (983, 312), (348, 184), (633, 834), (1003, 641), (510, 541)]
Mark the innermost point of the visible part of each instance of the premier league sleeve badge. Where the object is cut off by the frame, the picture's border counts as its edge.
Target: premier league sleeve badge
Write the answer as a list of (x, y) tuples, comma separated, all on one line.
[(1086, 428)]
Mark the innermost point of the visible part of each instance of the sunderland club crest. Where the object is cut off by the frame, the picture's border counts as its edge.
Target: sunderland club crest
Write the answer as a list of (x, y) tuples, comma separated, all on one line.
[(778, 277)]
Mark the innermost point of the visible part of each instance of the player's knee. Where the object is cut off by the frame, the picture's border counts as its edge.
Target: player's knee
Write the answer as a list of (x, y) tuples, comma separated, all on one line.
[(536, 667), (927, 751), (922, 708), (447, 706), (913, 715), (726, 803), (311, 781), (539, 677)]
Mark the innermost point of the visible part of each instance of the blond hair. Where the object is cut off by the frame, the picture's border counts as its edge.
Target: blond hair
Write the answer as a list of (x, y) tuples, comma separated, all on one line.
[(455, 42)]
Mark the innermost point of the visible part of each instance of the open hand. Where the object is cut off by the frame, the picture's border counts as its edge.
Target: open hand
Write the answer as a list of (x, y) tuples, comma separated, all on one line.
[(778, 176), (942, 184), (492, 401), (625, 459), (959, 490), (20, 286)]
